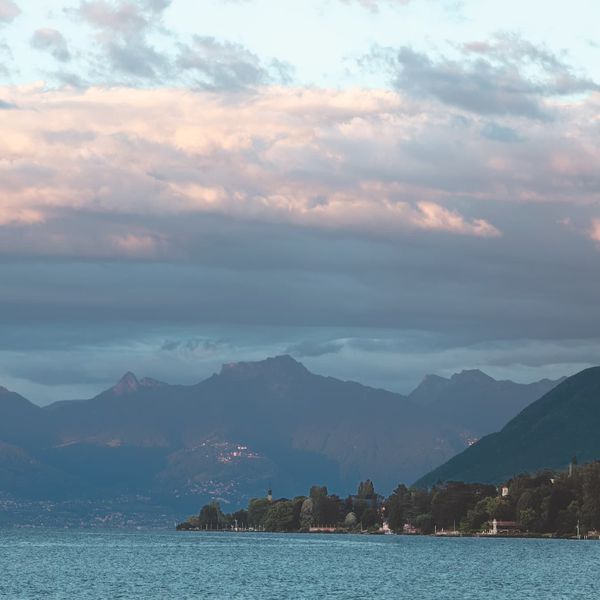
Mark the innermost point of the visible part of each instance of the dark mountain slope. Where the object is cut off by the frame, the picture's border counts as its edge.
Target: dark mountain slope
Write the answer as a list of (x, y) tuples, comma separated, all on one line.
[(563, 423), (22, 475), (21, 422)]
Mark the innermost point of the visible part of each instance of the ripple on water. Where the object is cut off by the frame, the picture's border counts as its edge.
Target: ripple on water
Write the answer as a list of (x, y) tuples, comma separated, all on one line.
[(82, 565)]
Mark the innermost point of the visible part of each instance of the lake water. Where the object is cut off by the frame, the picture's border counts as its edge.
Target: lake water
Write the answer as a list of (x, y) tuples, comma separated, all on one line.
[(79, 565)]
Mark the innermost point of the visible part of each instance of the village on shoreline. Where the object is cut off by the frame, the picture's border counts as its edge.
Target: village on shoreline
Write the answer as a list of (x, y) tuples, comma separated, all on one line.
[(549, 505)]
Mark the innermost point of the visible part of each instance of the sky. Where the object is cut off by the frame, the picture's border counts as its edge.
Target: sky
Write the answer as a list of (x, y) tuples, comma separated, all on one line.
[(380, 188)]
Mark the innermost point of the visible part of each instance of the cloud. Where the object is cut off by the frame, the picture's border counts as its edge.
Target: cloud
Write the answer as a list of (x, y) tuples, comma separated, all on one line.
[(9, 11), (224, 65), (123, 30), (504, 76), (52, 41), (146, 245), (364, 162), (125, 16), (314, 349), (594, 231), (7, 62), (368, 163), (318, 159), (134, 47), (500, 133), (436, 217), (197, 346), (136, 58)]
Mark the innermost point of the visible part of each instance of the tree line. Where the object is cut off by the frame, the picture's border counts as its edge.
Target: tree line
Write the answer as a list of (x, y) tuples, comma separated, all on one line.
[(550, 503)]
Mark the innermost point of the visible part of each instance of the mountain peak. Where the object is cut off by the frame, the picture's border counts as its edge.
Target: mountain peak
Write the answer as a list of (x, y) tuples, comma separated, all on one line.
[(274, 366), (472, 376), (127, 384)]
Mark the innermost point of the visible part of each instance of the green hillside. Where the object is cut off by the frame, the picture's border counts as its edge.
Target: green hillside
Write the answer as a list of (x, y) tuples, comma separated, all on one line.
[(563, 423)]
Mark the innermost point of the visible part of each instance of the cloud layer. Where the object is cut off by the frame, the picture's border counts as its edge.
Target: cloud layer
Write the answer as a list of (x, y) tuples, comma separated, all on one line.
[(347, 161), (373, 163)]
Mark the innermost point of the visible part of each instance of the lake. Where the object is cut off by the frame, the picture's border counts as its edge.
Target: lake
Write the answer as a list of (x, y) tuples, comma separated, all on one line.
[(81, 565)]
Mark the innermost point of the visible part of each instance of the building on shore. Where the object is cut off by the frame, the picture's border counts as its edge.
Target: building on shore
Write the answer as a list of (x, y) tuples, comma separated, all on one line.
[(503, 527), (410, 529)]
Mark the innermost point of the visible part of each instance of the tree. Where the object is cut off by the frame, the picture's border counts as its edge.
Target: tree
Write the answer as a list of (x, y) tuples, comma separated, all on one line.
[(318, 491), (566, 521), (211, 517), (322, 510), (359, 506), (306, 514), (451, 503), (526, 501), (238, 519), (476, 517), (499, 508), (350, 522), (590, 507), (366, 490), (395, 513), (329, 510), (556, 501), (529, 519), (280, 517), (370, 518), (425, 523), (257, 509)]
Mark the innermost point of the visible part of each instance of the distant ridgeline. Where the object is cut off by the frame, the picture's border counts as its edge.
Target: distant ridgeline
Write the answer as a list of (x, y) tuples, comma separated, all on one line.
[(563, 422), (557, 504)]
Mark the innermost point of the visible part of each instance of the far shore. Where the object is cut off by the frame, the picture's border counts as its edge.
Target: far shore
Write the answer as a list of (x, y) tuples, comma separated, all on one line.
[(448, 535)]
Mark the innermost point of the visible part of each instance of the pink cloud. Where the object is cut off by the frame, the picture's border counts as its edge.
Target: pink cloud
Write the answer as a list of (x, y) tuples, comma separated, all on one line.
[(8, 11), (365, 161), (140, 245), (594, 231), (13, 215)]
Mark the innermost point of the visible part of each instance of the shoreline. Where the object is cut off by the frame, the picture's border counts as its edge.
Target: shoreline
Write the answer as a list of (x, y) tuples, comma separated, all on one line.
[(525, 536)]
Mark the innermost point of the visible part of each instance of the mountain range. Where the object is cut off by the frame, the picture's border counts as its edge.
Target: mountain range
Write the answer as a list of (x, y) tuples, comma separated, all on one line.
[(562, 424), (476, 401), (250, 425)]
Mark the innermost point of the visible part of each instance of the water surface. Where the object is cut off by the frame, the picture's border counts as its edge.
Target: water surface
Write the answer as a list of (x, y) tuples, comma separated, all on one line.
[(56, 564)]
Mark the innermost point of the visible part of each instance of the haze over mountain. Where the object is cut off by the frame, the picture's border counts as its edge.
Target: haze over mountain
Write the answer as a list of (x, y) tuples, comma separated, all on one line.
[(475, 400), (547, 434), (247, 426)]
